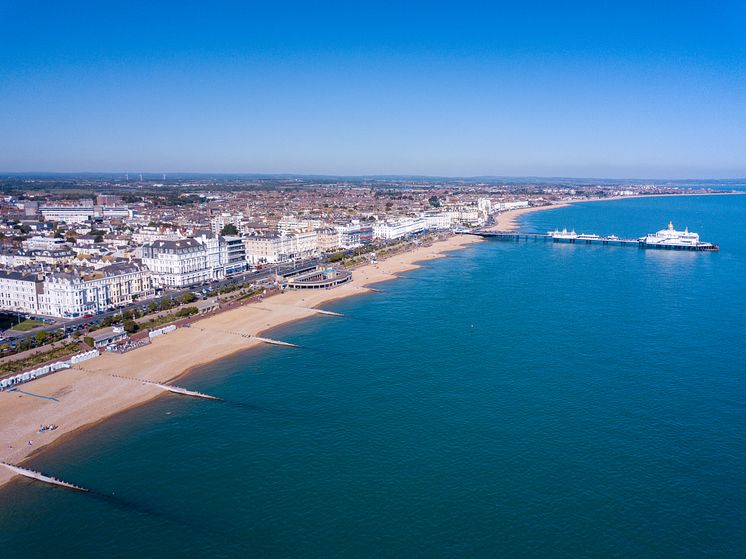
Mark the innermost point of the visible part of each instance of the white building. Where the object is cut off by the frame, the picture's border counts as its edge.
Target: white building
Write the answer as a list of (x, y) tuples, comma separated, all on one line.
[(177, 263), (291, 223), (67, 214), (20, 292), (388, 230), (270, 249), (226, 255), (437, 220), (70, 294), (232, 255), (354, 234), (150, 234), (218, 222), (304, 245), (505, 206), (44, 243), (484, 205), (213, 253), (466, 215), (113, 212), (84, 212)]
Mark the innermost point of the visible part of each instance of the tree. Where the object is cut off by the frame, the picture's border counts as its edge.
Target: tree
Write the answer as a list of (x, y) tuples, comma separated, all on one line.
[(434, 201), (186, 311), (187, 298), (99, 239), (229, 229), (40, 337), (130, 326)]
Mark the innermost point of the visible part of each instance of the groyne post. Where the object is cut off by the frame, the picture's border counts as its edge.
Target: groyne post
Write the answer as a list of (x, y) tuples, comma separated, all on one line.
[(41, 477)]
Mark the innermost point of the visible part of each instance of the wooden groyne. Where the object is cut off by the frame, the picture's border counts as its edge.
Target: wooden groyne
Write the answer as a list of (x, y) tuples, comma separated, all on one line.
[(322, 311), (170, 388), (271, 341), (367, 289), (31, 474), (249, 336), (310, 309)]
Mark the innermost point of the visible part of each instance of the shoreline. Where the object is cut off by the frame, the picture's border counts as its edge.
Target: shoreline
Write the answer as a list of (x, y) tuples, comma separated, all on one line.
[(508, 221), (88, 395)]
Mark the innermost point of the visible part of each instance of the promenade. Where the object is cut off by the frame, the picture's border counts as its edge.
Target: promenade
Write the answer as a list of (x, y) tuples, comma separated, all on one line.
[(85, 397)]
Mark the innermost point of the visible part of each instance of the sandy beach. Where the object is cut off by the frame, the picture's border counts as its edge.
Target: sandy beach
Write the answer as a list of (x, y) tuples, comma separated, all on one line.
[(89, 394)]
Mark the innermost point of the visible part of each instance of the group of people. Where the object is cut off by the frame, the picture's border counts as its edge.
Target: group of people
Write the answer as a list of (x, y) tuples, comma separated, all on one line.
[(50, 427)]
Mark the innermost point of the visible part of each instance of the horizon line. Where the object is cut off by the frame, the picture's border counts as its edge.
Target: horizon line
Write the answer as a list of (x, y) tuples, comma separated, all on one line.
[(177, 174)]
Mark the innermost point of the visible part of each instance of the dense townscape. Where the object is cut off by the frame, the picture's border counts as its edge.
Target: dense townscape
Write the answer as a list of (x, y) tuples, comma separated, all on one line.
[(69, 250), (86, 262)]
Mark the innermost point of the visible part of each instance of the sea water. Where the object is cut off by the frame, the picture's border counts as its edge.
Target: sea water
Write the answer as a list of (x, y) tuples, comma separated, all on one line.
[(521, 399)]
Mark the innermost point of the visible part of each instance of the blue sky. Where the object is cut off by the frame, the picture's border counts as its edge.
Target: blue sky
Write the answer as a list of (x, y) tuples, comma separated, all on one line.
[(574, 88)]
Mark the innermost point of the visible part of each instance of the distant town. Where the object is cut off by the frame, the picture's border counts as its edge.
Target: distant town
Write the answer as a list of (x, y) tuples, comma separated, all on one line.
[(113, 254)]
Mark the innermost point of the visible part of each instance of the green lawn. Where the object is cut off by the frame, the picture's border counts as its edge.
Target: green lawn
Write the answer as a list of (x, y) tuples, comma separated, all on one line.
[(27, 325)]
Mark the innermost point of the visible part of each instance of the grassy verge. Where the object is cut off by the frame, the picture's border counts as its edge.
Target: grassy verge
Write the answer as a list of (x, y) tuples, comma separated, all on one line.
[(250, 294), (160, 321), (38, 359), (27, 325)]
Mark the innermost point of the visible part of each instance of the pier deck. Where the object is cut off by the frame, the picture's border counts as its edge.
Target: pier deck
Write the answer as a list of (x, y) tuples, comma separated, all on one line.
[(608, 241)]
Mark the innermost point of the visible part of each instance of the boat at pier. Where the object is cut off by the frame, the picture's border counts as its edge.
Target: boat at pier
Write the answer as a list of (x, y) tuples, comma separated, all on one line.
[(670, 238), (563, 236)]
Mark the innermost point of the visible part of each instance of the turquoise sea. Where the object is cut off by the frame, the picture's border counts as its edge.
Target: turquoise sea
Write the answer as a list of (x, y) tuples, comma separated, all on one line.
[(512, 400)]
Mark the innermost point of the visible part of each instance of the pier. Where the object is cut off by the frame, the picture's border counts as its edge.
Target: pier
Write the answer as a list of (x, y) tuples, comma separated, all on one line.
[(546, 237), (31, 474), (584, 240)]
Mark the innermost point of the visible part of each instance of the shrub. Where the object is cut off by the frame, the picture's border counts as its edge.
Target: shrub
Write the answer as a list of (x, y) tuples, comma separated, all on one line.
[(187, 298), (187, 311)]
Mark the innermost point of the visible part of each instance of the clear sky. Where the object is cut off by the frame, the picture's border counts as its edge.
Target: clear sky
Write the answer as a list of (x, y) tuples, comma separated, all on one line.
[(566, 88)]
